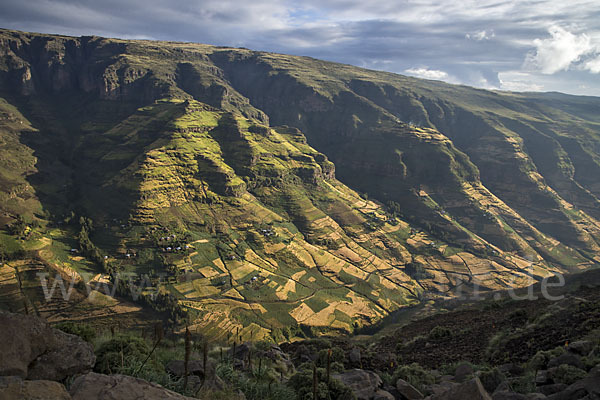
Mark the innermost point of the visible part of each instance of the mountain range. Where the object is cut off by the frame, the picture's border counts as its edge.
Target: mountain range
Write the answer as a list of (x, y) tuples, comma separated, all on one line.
[(281, 194)]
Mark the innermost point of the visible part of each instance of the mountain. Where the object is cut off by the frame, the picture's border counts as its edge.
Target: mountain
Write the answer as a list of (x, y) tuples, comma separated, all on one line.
[(284, 195)]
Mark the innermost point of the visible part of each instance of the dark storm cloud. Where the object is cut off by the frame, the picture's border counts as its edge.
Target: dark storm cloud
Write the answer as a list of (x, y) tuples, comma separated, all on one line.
[(483, 43)]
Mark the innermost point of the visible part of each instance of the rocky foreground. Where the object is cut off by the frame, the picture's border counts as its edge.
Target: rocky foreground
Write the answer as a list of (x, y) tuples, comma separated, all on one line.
[(41, 362)]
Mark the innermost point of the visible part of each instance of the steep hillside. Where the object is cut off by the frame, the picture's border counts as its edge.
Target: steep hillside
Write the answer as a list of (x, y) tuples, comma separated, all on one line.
[(212, 166)]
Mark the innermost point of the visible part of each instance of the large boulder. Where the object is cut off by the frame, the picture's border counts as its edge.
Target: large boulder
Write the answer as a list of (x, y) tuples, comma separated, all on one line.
[(30, 348), (471, 390), (407, 390), (14, 387), (363, 383), (462, 372), (581, 347), (566, 359), (119, 387), (177, 368)]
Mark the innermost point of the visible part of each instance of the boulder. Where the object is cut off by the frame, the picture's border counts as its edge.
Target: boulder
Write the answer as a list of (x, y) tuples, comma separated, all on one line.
[(552, 388), (31, 349), (119, 387), (581, 347), (568, 359), (363, 383), (506, 395), (511, 369), (382, 395), (589, 386), (542, 377), (471, 390), (407, 390), (354, 357), (462, 372), (177, 368), (242, 351), (441, 388), (14, 387)]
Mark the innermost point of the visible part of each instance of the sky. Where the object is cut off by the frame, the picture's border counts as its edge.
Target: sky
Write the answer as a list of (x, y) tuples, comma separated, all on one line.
[(527, 45)]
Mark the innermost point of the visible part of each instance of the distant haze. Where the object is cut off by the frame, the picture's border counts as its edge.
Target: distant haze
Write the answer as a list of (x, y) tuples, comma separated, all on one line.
[(529, 45)]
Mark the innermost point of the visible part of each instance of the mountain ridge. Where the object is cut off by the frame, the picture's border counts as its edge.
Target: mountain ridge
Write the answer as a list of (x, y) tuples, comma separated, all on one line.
[(233, 151)]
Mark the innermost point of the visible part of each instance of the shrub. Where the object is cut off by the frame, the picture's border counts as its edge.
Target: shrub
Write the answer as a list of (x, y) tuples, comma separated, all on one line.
[(119, 352), (440, 332), (84, 331), (524, 384), (414, 374), (302, 383), (491, 378), (541, 358), (337, 356), (568, 374)]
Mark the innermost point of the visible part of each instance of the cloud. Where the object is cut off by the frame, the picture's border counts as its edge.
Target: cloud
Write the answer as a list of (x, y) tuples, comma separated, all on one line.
[(481, 35), (427, 73), (593, 65), (558, 52), (471, 42)]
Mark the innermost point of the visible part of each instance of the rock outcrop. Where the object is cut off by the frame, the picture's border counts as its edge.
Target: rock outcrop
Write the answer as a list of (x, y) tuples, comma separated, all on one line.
[(32, 349), (14, 387), (105, 387)]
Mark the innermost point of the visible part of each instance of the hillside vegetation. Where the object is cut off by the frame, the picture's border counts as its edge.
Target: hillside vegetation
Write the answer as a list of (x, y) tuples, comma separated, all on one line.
[(275, 196)]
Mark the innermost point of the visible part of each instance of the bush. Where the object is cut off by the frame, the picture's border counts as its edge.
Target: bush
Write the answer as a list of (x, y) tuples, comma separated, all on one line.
[(568, 374), (255, 386), (414, 374), (84, 331), (524, 384), (440, 332), (118, 353), (337, 356), (491, 378), (541, 358), (302, 383)]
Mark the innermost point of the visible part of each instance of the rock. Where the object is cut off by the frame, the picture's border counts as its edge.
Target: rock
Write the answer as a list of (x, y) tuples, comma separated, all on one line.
[(177, 368), (363, 383), (581, 347), (354, 357), (14, 387), (462, 372), (383, 395), (535, 396), (441, 388), (503, 387), (407, 390), (34, 350), (303, 354), (241, 352), (566, 358), (552, 388), (506, 395), (511, 369), (542, 377), (116, 387), (471, 390)]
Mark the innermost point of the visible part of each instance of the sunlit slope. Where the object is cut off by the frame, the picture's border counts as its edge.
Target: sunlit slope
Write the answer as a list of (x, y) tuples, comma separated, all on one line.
[(215, 166)]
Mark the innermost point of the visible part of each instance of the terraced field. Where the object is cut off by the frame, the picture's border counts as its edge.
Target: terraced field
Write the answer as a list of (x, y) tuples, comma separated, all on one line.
[(206, 174)]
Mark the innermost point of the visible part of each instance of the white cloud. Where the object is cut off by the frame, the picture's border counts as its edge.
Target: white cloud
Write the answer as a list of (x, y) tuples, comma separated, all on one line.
[(517, 81), (481, 35), (427, 73), (558, 52), (593, 65)]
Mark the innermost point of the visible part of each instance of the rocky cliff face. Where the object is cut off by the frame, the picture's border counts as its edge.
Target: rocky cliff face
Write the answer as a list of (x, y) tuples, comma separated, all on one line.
[(216, 165)]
